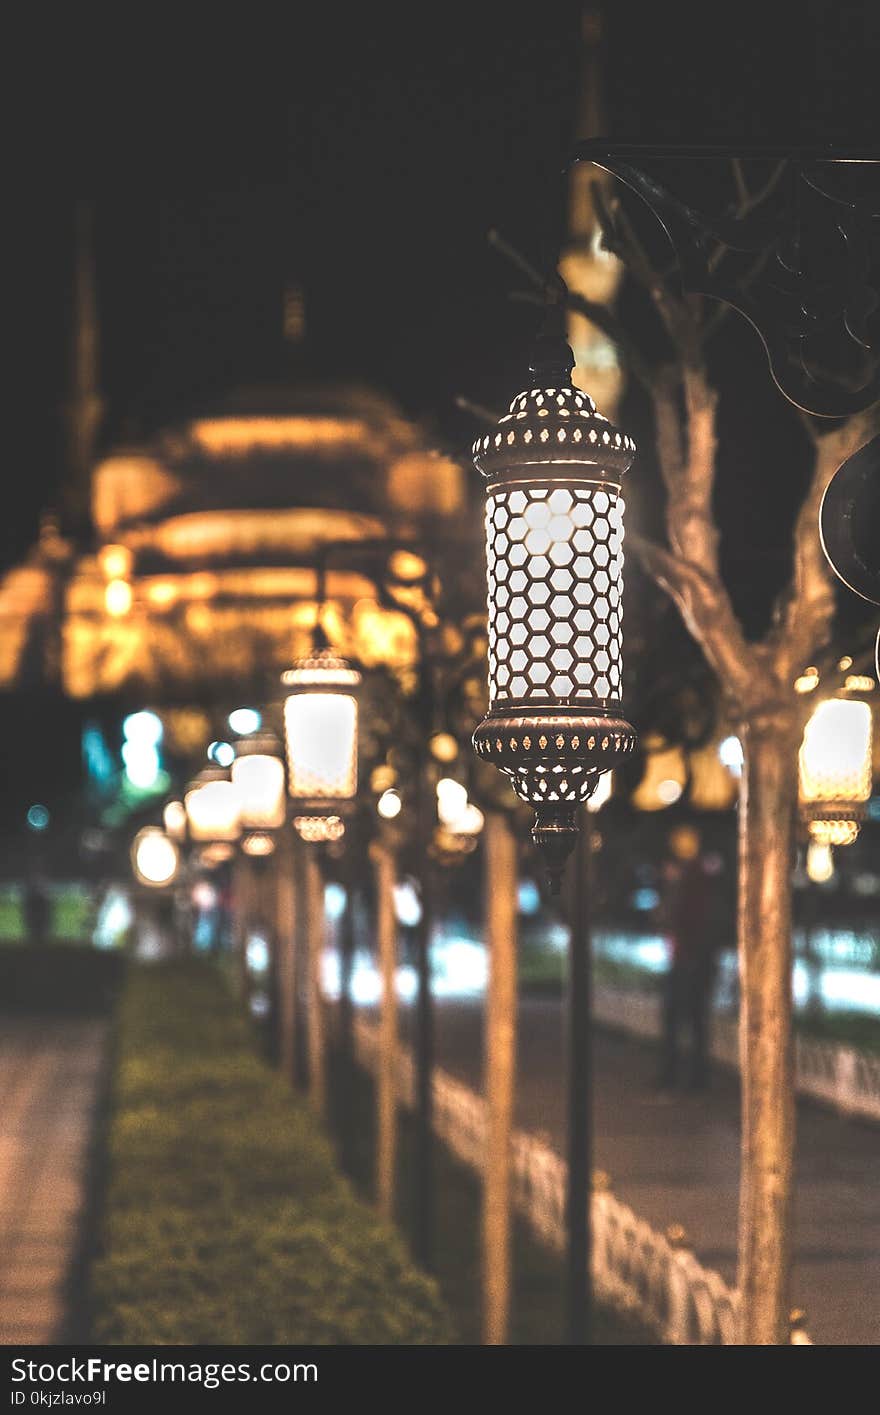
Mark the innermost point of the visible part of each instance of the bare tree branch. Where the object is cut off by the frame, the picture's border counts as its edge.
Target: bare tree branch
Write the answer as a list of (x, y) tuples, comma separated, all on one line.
[(808, 609)]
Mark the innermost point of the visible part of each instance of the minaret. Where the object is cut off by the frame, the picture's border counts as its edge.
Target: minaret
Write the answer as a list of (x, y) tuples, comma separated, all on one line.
[(587, 269), (85, 405)]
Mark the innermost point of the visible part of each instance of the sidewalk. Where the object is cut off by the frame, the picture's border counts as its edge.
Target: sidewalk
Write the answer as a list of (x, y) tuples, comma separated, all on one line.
[(678, 1161), (49, 1077)]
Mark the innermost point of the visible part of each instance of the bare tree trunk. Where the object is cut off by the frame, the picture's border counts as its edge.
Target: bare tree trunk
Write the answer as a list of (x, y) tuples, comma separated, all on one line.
[(314, 916), (766, 842), (500, 1067), (386, 1092), (282, 865)]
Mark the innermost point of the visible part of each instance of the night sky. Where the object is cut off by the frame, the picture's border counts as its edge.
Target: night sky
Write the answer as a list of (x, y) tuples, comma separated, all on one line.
[(366, 153)]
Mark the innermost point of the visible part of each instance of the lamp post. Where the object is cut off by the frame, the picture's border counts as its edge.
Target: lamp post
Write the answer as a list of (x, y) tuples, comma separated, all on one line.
[(554, 532), (321, 743), (257, 774)]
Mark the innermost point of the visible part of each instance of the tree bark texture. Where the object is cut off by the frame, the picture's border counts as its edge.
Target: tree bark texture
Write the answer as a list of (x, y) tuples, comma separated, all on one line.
[(499, 1072), (767, 823)]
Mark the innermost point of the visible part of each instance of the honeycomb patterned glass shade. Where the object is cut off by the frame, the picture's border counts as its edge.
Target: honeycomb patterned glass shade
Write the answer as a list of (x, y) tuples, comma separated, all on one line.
[(555, 576), (554, 561)]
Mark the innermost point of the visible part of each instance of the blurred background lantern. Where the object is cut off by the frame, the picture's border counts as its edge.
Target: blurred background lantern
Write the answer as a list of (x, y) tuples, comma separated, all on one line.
[(258, 777), (836, 769), (554, 534), (174, 820), (155, 859), (212, 808), (321, 731)]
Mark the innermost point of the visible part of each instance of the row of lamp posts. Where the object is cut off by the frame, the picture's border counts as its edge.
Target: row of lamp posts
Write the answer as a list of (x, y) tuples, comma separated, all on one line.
[(554, 533)]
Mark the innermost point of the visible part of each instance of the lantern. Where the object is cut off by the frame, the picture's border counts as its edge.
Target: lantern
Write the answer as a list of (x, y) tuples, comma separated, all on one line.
[(836, 769), (154, 857), (212, 808), (320, 732), (554, 533), (258, 777), (174, 820)]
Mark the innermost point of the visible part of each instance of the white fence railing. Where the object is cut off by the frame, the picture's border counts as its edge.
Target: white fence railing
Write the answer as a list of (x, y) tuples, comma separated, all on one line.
[(839, 1075), (634, 1267)]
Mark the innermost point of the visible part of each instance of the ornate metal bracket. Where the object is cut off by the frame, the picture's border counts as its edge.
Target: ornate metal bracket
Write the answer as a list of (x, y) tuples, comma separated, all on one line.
[(813, 288)]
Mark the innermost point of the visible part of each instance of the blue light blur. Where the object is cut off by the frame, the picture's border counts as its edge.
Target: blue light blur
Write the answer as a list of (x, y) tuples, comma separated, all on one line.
[(645, 900), (244, 720), (528, 897), (223, 753), (145, 727), (38, 817), (334, 900)]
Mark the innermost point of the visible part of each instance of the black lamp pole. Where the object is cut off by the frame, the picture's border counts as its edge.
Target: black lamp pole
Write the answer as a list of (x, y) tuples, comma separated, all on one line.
[(423, 1224), (579, 1136)]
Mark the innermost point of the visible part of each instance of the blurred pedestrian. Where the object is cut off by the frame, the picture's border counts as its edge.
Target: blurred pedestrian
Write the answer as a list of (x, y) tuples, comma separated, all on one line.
[(690, 978)]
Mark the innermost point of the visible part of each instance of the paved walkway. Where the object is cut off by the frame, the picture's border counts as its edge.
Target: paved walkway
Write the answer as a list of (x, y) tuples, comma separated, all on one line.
[(678, 1162), (49, 1075)]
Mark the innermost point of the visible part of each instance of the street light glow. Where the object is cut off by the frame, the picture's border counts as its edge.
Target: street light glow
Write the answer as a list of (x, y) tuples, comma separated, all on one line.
[(155, 858), (389, 804), (212, 808), (452, 800), (222, 753), (258, 776), (245, 720), (144, 726)]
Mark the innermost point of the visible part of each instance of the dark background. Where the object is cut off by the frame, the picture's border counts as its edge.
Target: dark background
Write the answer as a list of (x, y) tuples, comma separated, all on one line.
[(365, 153)]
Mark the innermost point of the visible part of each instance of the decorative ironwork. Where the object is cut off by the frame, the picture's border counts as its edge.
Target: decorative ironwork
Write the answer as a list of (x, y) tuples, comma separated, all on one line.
[(814, 299)]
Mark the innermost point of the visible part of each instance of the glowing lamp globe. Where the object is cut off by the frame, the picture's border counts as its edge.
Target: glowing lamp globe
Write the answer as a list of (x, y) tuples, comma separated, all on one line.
[(258, 776), (835, 765), (554, 554), (155, 858), (212, 808), (321, 732), (174, 820)]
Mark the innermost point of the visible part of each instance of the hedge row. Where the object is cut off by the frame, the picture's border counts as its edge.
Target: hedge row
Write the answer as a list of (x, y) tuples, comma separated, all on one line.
[(224, 1219)]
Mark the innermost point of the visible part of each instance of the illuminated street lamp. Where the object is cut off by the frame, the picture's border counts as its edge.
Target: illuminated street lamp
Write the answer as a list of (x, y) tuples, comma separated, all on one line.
[(155, 858), (554, 558), (321, 732), (212, 808), (174, 820), (257, 774), (835, 764), (554, 534)]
